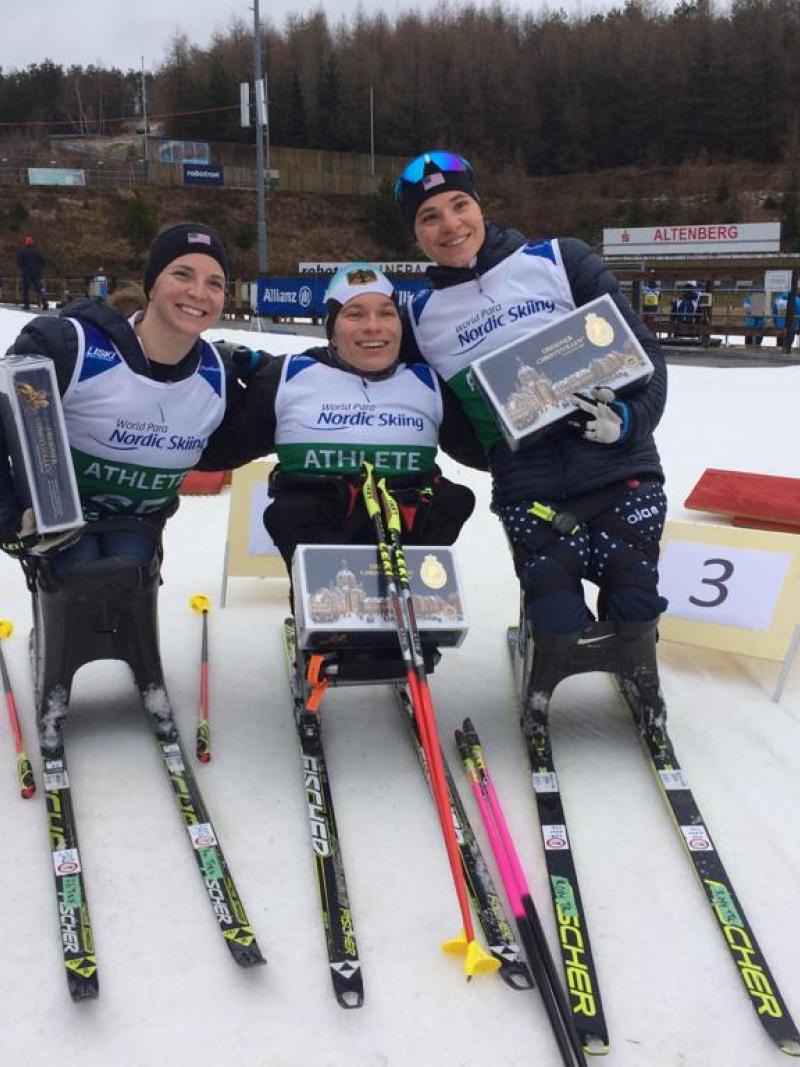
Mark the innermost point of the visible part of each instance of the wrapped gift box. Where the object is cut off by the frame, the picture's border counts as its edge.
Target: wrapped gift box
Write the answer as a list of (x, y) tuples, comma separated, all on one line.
[(36, 436), (529, 383), (340, 597)]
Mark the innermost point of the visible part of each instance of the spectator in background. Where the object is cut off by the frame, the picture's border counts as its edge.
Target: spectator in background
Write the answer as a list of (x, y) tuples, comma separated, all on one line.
[(685, 305), (753, 306), (780, 302), (31, 262), (99, 284), (650, 301)]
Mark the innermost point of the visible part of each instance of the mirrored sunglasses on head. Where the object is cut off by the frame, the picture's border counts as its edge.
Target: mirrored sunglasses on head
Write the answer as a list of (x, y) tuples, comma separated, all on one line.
[(448, 162)]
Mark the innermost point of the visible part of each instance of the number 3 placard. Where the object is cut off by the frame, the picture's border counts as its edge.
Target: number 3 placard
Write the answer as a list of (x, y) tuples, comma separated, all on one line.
[(730, 588)]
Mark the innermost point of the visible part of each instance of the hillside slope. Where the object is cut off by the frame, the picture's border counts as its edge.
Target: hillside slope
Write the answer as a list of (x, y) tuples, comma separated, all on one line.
[(79, 230)]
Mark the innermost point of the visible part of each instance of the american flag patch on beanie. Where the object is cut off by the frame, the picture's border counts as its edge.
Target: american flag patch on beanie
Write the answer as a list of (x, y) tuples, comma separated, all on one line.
[(431, 180), (198, 238)]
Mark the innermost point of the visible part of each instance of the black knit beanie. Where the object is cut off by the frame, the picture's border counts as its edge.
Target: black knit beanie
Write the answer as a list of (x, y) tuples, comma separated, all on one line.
[(179, 241), (434, 181)]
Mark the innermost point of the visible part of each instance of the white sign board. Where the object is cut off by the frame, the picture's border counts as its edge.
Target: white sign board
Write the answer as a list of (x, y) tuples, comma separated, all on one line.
[(724, 585), (729, 238), (259, 542), (777, 281), (55, 176), (731, 588), (249, 550), (410, 267)]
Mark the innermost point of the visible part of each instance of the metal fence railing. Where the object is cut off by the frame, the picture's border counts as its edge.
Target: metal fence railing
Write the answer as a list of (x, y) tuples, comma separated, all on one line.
[(298, 170)]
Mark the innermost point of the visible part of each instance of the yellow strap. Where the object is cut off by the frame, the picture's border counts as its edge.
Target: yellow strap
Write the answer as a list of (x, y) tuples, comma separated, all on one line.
[(369, 492), (542, 511), (390, 504)]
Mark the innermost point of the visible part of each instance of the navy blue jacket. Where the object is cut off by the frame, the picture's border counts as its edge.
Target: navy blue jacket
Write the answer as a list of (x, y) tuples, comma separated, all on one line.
[(249, 427), (54, 336), (563, 464)]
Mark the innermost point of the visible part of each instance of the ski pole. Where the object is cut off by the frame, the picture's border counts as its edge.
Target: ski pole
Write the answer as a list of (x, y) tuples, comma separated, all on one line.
[(27, 783), (395, 571), (202, 605), (519, 896)]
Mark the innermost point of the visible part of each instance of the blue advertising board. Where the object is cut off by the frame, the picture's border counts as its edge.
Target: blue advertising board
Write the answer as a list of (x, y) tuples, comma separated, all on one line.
[(304, 297), (202, 174)]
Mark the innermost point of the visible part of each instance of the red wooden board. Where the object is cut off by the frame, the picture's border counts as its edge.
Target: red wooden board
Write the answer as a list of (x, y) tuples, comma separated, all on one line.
[(765, 524), (774, 501), (203, 483)]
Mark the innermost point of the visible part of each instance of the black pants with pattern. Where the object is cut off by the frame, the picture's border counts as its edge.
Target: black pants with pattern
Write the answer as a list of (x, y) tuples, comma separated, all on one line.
[(626, 574)]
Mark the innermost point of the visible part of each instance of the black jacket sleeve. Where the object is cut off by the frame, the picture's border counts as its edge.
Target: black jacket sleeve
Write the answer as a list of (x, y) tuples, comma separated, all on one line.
[(10, 506), (409, 349), (47, 335), (248, 429), (589, 278), (457, 436)]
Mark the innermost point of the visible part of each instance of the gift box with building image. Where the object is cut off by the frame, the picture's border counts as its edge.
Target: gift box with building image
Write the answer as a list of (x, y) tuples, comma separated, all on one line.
[(341, 601), (529, 383)]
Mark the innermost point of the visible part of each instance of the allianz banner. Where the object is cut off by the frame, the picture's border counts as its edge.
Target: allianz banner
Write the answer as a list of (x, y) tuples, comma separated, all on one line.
[(305, 297), (202, 174)]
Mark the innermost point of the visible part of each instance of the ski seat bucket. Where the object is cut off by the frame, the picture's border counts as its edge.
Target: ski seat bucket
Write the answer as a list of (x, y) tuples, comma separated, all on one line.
[(624, 649), (103, 609)]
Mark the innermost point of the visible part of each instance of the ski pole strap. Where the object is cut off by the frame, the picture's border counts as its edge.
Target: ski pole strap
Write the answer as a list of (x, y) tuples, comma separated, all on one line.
[(392, 512), (372, 504), (390, 508), (370, 492), (465, 751)]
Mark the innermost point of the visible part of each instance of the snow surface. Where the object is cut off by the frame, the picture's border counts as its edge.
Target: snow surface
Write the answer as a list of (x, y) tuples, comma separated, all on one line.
[(169, 992)]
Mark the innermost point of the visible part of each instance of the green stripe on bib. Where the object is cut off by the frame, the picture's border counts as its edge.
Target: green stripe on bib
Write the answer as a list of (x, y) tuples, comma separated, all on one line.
[(349, 458), (125, 487)]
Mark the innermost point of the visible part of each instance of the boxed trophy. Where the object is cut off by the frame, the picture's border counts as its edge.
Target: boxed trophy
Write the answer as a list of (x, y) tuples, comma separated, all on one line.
[(529, 383), (36, 436), (340, 597)]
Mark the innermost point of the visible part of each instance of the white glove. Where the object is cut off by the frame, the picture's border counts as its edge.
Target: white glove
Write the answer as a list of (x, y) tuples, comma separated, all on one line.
[(28, 525), (604, 425)]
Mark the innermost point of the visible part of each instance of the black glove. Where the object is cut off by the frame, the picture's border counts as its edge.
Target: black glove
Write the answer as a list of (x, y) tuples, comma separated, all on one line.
[(244, 361)]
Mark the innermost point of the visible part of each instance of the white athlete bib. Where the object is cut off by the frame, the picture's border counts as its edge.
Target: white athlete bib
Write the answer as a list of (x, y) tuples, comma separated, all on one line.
[(330, 421), (134, 439)]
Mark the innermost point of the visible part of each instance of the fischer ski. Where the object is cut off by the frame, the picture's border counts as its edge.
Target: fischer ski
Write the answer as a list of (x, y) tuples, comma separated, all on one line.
[(337, 918), (108, 610), (222, 893), (77, 940), (486, 901), (629, 655), (646, 708), (573, 934)]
